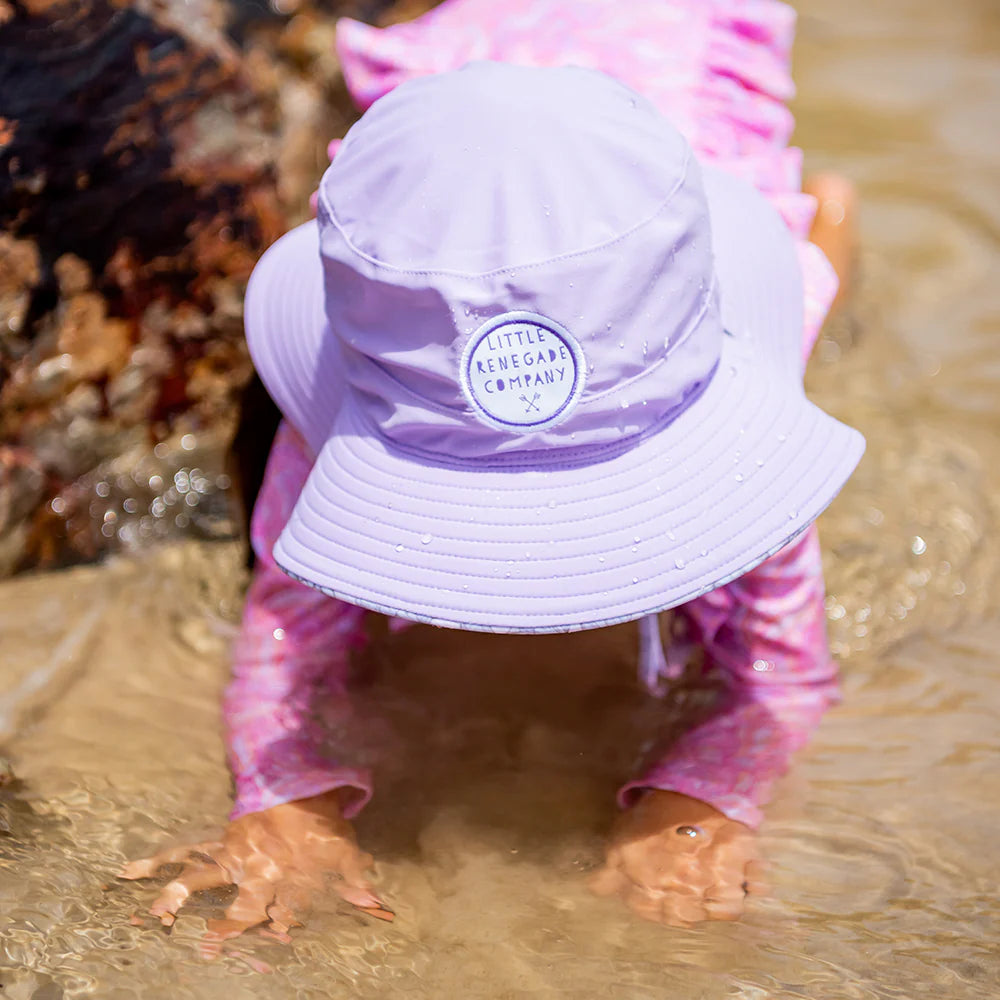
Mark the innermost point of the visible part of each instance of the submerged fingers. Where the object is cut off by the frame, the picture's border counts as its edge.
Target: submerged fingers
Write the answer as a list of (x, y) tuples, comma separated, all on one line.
[(755, 878), (174, 894), (282, 918), (608, 881), (725, 903), (356, 888), (148, 867), (250, 905)]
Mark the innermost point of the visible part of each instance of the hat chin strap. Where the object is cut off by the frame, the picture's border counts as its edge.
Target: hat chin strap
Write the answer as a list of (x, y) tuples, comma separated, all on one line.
[(656, 667)]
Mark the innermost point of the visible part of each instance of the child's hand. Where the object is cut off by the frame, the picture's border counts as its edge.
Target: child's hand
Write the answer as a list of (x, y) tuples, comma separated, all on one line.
[(676, 860), (278, 858)]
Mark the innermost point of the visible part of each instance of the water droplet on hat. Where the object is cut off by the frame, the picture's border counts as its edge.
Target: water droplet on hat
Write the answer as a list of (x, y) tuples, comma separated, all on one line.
[(679, 563), (732, 369), (635, 579), (552, 504), (399, 548), (635, 548), (465, 586), (637, 539), (426, 539), (645, 348), (600, 559), (624, 404), (704, 552), (671, 535), (548, 210), (739, 477), (760, 463), (621, 344), (782, 437), (792, 515)]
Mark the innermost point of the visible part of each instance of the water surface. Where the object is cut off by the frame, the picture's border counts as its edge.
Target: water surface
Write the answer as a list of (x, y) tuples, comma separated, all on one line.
[(882, 840)]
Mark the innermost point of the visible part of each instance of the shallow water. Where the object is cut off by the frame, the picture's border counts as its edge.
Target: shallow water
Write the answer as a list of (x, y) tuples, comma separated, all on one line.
[(882, 839)]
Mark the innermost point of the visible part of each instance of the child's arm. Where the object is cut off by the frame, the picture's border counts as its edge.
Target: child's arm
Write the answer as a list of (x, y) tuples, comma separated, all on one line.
[(289, 826), (685, 851), (290, 665), (766, 632)]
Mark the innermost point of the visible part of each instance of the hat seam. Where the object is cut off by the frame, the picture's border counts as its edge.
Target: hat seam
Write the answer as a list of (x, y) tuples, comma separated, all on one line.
[(329, 211), (581, 575), (544, 629), (584, 400), (660, 498), (589, 454), (597, 572)]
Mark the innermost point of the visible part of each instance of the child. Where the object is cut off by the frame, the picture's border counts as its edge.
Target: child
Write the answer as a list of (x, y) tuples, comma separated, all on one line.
[(540, 370)]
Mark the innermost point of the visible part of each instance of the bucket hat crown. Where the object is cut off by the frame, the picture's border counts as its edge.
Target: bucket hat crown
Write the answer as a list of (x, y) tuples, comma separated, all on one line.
[(548, 362)]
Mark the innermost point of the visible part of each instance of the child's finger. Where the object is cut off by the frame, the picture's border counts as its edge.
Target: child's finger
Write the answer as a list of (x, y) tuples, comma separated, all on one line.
[(174, 894), (725, 902), (355, 866), (246, 911), (361, 895), (148, 867), (355, 886), (219, 931), (282, 918), (755, 878), (607, 881), (275, 935), (380, 912), (141, 868), (252, 901)]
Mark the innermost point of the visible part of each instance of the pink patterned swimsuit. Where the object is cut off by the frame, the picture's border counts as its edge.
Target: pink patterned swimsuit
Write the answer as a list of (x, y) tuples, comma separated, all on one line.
[(719, 70)]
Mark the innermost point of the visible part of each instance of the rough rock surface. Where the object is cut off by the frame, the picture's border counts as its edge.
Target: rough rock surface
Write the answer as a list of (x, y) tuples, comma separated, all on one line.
[(149, 151)]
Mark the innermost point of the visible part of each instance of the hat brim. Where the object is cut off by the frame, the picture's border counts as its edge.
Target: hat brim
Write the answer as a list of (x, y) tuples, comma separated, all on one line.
[(690, 506)]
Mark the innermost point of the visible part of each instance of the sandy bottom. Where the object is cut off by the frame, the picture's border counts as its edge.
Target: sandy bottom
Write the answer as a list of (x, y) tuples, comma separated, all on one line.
[(498, 756)]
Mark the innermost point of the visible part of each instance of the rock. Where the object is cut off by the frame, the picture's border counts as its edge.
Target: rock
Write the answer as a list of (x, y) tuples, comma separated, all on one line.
[(149, 151), (137, 190), (19, 275)]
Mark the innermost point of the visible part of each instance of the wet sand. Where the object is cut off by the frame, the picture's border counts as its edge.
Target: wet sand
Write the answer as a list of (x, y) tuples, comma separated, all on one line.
[(495, 779)]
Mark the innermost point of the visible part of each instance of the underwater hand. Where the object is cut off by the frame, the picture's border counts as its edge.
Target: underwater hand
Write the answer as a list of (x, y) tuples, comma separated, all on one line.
[(278, 858), (676, 860)]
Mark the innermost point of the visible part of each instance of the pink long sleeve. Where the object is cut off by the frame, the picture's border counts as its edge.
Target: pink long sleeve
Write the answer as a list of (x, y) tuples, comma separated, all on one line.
[(288, 695), (766, 634)]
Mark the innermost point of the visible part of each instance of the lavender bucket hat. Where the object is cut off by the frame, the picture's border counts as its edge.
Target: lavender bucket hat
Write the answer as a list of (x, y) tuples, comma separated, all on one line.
[(549, 365)]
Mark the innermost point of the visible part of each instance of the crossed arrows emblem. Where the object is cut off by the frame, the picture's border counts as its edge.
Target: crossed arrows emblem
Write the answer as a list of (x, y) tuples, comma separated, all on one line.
[(532, 404)]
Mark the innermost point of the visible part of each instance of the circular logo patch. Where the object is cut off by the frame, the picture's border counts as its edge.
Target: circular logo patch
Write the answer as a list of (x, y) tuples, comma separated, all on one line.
[(522, 372)]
